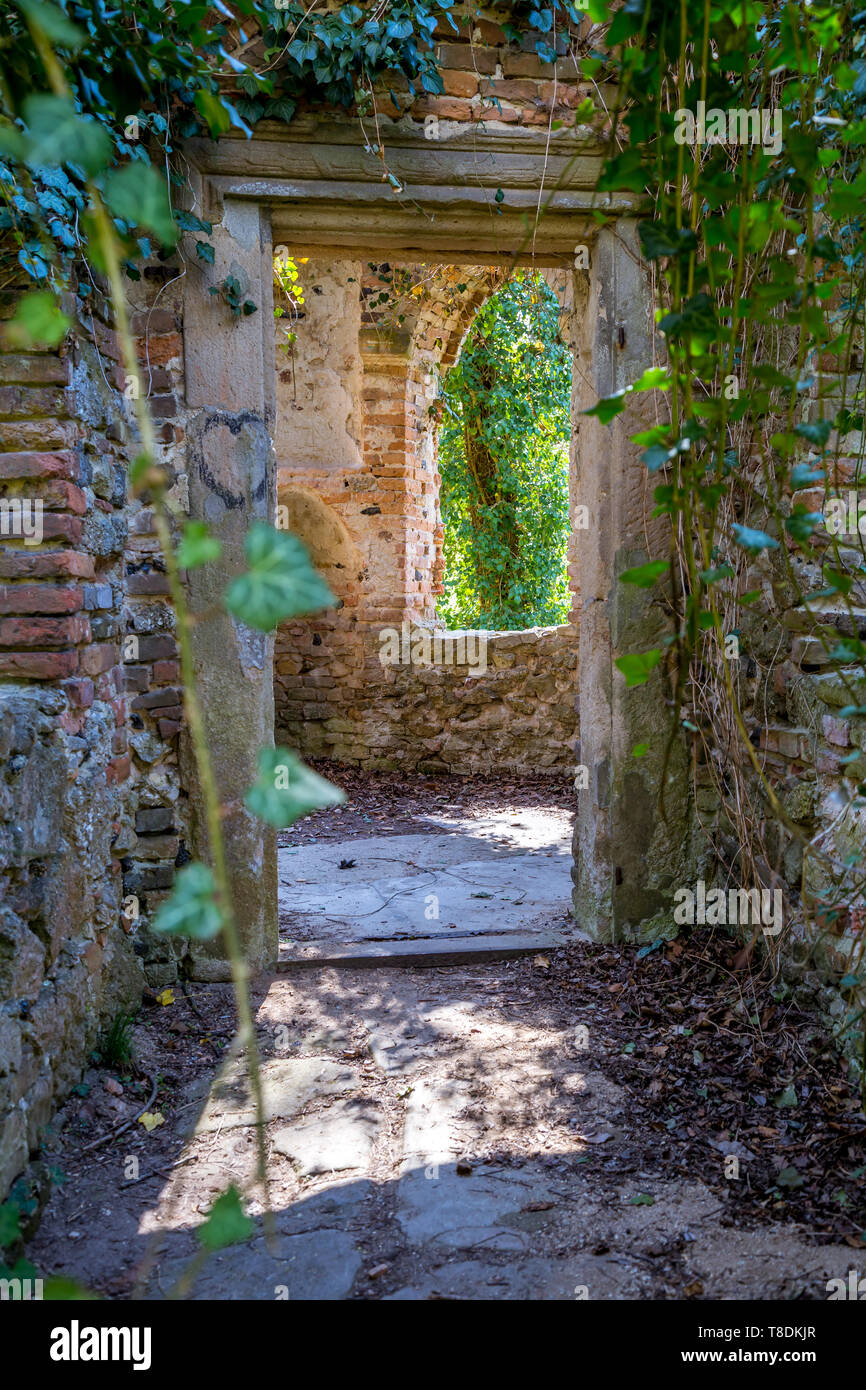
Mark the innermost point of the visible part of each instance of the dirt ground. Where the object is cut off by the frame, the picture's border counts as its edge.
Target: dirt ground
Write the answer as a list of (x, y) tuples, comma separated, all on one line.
[(593, 1122)]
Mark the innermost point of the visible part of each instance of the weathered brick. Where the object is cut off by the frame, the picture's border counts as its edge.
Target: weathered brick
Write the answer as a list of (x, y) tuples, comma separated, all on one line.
[(837, 731), (155, 699), (464, 56), (30, 465), (459, 84), (42, 666), (40, 435), (156, 647), (39, 598), (20, 402), (166, 671), (154, 321), (79, 692), (118, 769), (163, 347), (152, 820), (44, 632), (97, 658), (26, 368), (45, 564), (142, 583), (163, 847), (59, 495)]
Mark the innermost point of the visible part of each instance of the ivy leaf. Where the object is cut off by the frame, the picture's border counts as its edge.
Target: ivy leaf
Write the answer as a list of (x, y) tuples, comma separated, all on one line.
[(37, 322), (55, 25), (214, 112), (608, 407), (57, 134), (198, 546), (653, 379), (192, 909), (637, 666), (280, 582), (800, 524), (205, 251), (227, 1222), (752, 540), (712, 576), (644, 576), (836, 581), (802, 474), (138, 194), (655, 240), (61, 1288), (287, 789), (281, 109), (816, 431)]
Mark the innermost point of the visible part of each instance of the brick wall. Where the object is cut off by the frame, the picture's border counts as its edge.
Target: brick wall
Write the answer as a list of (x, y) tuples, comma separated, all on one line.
[(66, 961)]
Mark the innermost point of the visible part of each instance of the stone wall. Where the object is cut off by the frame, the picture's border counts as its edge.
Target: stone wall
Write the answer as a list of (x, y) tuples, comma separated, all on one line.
[(505, 700), (66, 959)]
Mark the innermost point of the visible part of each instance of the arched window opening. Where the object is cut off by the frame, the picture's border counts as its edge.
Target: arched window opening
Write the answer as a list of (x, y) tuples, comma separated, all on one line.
[(503, 460)]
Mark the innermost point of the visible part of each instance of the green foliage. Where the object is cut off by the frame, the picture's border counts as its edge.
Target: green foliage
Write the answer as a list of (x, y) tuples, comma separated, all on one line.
[(231, 293), (38, 322), (503, 457), (227, 1223), (287, 789), (280, 582), (198, 546), (10, 1224), (192, 910), (638, 666), (115, 1047)]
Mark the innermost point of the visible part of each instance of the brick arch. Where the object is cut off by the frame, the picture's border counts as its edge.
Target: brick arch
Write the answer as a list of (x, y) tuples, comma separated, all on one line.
[(443, 321), (303, 512)]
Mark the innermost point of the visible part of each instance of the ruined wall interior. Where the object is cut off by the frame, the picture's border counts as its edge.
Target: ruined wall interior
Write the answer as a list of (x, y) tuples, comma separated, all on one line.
[(358, 478)]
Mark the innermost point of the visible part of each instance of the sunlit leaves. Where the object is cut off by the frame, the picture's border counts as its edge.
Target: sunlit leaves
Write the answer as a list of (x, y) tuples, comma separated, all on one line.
[(56, 27), (55, 133), (138, 194), (214, 112), (608, 407), (197, 546), (192, 910), (506, 516), (637, 667), (38, 322), (753, 539), (657, 240), (280, 581), (227, 1223), (645, 576), (287, 789)]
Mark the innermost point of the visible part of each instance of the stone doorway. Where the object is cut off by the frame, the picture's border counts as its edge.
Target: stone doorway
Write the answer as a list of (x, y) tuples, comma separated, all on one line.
[(626, 859)]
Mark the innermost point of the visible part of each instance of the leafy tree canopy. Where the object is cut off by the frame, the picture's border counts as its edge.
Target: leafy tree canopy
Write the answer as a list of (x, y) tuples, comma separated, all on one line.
[(503, 456)]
